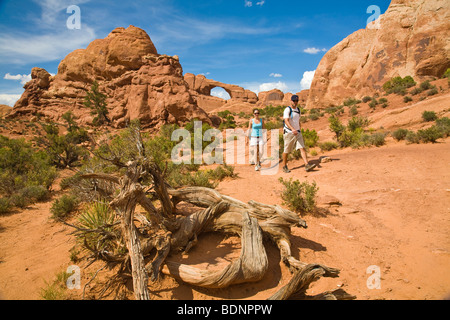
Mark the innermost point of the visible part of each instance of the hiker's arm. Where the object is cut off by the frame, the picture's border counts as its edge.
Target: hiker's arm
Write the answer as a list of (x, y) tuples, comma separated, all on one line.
[(249, 131), (289, 125)]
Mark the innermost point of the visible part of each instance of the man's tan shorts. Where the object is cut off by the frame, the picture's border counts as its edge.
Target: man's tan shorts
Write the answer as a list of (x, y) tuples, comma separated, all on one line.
[(291, 141)]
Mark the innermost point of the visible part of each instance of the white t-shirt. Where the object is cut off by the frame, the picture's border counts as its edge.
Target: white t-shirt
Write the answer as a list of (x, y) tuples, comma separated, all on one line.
[(294, 118)]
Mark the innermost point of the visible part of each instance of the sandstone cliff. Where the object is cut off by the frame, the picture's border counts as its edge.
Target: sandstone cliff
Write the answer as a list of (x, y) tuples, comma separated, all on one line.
[(411, 38), (139, 83)]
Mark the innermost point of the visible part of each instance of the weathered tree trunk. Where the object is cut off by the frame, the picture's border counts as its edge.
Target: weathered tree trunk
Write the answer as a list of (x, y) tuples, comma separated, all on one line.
[(251, 265), (125, 204), (165, 231)]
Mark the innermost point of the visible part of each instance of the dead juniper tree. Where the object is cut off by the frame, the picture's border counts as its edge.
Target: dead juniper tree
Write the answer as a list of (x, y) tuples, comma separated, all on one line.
[(129, 177)]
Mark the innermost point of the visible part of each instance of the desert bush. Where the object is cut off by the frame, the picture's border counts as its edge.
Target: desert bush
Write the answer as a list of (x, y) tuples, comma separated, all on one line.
[(431, 134), (99, 216), (272, 112), (429, 116), (96, 101), (373, 104), (26, 175), (416, 91), (328, 146), (400, 134), (399, 85), (311, 137), (63, 206), (63, 150), (378, 139), (366, 99), (426, 85), (357, 122), (353, 110), (5, 205), (351, 101), (407, 99), (299, 197), (443, 125), (432, 92), (412, 137), (336, 126)]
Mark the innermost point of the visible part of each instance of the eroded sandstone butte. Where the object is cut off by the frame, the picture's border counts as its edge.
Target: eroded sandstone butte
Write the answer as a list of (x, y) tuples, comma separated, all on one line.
[(411, 38), (139, 83)]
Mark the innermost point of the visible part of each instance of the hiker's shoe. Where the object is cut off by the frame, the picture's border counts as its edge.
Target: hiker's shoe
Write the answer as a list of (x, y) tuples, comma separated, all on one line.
[(257, 167), (309, 167), (286, 170)]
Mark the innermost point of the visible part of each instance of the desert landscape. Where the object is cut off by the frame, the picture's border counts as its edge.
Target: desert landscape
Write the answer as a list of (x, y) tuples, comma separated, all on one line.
[(381, 215)]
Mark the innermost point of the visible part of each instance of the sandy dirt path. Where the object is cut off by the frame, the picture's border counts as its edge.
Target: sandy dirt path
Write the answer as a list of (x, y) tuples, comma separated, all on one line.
[(394, 214)]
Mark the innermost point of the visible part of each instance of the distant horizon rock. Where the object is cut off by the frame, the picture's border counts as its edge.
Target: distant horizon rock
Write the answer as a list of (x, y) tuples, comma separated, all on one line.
[(412, 40)]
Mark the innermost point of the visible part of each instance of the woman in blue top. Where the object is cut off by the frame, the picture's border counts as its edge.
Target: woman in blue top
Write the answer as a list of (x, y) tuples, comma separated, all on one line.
[(255, 133)]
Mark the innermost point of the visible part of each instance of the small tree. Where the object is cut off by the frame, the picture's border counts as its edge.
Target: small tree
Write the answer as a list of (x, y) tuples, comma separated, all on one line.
[(336, 126), (96, 101)]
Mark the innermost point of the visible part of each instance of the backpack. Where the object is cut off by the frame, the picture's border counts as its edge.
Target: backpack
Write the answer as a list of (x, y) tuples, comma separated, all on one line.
[(290, 116)]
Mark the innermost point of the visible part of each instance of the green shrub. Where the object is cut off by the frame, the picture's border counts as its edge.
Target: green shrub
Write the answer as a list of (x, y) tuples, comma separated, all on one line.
[(351, 101), (63, 206), (416, 91), (353, 138), (426, 85), (99, 216), (431, 134), (366, 99), (399, 85), (5, 205), (311, 137), (96, 101), (432, 92), (328, 146), (443, 125), (429, 116), (357, 122), (446, 74), (378, 139), (26, 175), (400, 134), (299, 197), (336, 126), (353, 111), (407, 99), (412, 137)]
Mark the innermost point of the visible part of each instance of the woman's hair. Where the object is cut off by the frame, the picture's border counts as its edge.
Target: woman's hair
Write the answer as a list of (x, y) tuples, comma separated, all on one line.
[(255, 110)]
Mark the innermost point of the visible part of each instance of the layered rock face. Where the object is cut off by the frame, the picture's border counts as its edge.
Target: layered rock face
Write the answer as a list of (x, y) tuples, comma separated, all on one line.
[(411, 38), (139, 83)]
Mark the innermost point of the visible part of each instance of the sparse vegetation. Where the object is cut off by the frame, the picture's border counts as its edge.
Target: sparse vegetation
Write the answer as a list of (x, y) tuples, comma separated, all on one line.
[(400, 134), (96, 101), (429, 116), (299, 197), (26, 174), (399, 85), (63, 206)]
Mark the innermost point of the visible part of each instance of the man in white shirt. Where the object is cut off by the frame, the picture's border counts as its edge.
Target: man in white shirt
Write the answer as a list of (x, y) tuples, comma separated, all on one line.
[(293, 137)]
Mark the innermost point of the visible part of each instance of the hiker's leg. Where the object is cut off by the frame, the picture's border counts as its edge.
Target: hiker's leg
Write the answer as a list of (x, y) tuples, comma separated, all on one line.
[(285, 159), (304, 156)]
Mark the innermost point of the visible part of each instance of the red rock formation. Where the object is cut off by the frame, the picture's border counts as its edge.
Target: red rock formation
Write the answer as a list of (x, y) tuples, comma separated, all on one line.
[(412, 39), (139, 83)]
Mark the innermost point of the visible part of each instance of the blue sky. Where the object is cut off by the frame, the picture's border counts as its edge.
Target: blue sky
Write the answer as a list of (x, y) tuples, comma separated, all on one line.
[(260, 45)]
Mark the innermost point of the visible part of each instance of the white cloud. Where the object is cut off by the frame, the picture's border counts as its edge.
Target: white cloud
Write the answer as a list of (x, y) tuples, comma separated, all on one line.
[(307, 79), (314, 50), (248, 4), (276, 75), (9, 99), (19, 48), (261, 3), (23, 78)]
